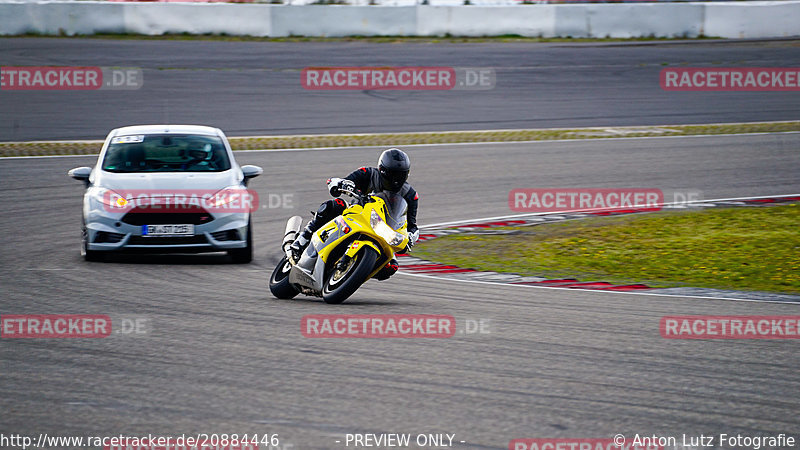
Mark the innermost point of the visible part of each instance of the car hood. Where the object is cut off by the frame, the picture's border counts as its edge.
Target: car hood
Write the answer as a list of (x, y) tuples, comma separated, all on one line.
[(168, 180)]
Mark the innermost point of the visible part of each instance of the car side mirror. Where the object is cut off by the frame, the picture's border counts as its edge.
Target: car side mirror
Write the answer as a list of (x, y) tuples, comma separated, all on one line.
[(249, 171), (81, 174)]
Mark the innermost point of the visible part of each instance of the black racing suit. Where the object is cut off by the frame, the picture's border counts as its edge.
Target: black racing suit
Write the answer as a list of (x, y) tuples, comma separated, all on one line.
[(366, 180)]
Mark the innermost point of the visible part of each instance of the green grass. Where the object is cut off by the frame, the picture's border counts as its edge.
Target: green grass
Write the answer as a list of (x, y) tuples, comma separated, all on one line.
[(742, 248), (399, 139), (447, 39)]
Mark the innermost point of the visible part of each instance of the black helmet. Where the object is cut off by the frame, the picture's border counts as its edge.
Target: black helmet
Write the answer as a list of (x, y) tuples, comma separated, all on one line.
[(393, 166)]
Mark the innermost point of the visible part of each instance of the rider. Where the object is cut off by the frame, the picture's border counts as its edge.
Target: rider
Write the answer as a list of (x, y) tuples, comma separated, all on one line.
[(201, 157), (390, 175)]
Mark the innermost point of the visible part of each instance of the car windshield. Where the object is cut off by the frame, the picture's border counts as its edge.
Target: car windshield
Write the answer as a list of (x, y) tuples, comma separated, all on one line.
[(166, 153), (396, 207)]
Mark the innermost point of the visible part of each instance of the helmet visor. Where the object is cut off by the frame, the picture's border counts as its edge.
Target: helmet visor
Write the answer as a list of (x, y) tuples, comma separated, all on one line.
[(393, 180)]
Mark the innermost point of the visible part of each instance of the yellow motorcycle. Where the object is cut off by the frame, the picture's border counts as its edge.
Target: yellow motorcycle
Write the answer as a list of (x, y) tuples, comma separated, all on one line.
[(346, 252)]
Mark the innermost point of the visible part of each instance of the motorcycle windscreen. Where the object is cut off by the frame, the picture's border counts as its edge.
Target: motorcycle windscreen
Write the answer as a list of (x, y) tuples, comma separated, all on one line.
[(396, 208)]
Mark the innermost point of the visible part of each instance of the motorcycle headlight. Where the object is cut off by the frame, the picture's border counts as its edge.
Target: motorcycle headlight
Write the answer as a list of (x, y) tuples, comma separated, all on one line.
[(392, 237)]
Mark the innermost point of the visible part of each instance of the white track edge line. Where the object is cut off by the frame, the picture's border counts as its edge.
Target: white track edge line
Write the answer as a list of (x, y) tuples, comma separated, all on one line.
[(589, 211), (405, 133), (654, 294), (449, 144)]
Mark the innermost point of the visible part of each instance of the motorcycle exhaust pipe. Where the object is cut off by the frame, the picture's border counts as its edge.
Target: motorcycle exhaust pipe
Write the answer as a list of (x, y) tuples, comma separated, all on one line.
[(293, 226)]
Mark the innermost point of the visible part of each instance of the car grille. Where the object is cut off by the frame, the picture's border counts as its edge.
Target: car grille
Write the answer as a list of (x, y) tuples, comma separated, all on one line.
[(167, 240), (150, 218), (228, 235), (104, 237)]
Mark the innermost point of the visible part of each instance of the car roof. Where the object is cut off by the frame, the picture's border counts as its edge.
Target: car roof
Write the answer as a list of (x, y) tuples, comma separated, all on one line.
[(166, 129)]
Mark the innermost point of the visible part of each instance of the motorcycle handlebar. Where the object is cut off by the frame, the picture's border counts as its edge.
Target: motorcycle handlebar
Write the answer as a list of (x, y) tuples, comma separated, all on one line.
[(353, 192)]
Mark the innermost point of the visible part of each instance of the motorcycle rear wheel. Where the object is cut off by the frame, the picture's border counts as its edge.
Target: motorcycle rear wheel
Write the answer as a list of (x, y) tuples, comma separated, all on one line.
[(279, 281)]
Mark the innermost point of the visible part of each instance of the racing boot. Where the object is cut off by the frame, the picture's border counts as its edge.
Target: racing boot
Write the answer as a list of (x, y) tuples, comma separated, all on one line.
[(388, 270), (326, 212), (300, 244)]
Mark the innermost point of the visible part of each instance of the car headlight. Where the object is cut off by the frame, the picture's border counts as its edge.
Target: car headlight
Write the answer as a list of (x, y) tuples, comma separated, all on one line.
[(385, 231), (233, 199), (223, 196), (113, 200)]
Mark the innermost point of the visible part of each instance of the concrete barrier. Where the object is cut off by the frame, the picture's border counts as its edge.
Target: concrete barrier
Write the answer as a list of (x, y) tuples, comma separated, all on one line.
[(209, 18), (528, 20), (629, 20), (61, 18), (71, 18), (755, 19), (340, 20)]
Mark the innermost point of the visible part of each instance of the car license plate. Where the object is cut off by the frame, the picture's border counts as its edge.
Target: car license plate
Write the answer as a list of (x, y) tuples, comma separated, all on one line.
[(168, 230)]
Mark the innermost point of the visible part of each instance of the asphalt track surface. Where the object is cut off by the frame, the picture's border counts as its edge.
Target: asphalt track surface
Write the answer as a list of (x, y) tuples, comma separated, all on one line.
[(220, 355), (253, 88)]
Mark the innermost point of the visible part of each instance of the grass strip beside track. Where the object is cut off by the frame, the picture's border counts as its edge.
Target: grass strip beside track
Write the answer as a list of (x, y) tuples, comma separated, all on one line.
[(50, 148), (755, 248), (507, 38)]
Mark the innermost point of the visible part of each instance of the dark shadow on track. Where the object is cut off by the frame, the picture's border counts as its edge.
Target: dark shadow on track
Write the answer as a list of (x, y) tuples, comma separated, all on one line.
[(208, 259)]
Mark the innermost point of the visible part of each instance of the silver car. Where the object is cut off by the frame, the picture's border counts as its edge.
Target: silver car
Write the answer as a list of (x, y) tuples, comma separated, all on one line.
[(167, 188)]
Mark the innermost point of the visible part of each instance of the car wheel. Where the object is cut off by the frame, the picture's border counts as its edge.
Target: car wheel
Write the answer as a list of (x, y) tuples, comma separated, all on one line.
[(244, 255), (88, 255)]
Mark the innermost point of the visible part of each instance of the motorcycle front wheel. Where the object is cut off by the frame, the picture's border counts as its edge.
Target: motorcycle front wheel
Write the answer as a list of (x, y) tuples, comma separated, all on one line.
[(279, 281), (346, 277)]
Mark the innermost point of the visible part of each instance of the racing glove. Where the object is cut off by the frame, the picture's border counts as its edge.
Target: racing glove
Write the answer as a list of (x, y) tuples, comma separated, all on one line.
[(412, 239), (336, 184)]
